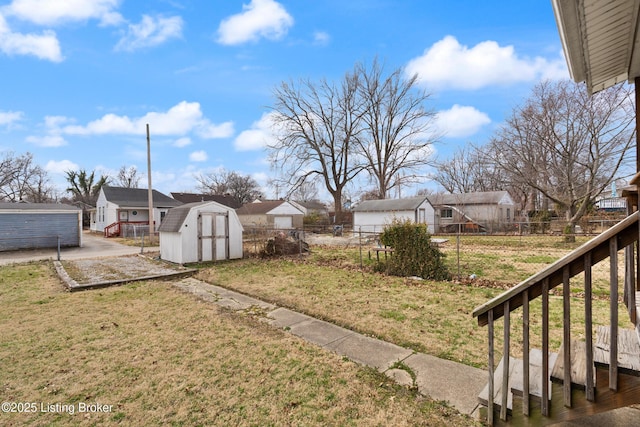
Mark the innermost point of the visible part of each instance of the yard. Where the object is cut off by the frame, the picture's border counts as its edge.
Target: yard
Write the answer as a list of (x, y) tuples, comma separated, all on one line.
[(429, 317), (158, 356), (147, 354)]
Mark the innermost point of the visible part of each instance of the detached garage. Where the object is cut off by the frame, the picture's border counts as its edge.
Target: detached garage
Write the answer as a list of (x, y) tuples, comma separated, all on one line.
[(202, 231), (373, 216), (39, 226)]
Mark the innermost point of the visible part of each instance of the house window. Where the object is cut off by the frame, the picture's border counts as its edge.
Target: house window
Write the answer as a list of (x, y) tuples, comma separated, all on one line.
[(446, 213), (508, 214)]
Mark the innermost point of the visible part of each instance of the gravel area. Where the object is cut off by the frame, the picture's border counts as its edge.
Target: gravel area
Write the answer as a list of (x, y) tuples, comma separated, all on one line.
[(87, 271)]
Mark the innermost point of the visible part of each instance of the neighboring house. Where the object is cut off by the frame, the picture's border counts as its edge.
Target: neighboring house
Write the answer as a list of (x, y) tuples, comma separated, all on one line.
[(271, 214), (201, 231), (312, 207), (225, 199), (614, 200), (117, 206), (373, 215), (39, 225), (482, 211)]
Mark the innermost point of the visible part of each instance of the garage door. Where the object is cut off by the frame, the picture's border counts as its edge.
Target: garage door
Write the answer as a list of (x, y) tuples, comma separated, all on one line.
[(283, 222), (33, 230)]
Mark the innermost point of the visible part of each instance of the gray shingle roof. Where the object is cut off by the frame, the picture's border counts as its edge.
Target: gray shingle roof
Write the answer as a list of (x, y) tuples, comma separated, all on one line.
[(259, 208), (389, 205), (479, 198), (226, 199), (137, 197), (37, 206)]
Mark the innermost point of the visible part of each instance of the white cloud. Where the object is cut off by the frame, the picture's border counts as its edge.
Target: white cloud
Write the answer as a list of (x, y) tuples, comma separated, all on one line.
[(321, 38), (9, 117), (49, 12), (42, 46), (179, 120), (54, 122), (259, 136), (60, 167), (151, 31), (209, 130), (260, 18), (198, 156), (182, 142), (448, 64), (47, 140), (460, 121)]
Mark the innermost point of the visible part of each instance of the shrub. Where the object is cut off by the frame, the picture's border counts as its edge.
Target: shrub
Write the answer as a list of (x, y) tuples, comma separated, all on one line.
[(413, 253)]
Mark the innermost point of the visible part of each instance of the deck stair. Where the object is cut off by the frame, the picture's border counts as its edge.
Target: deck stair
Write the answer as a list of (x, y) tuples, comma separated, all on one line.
[(112, 230), (587, 376), (628, 392)]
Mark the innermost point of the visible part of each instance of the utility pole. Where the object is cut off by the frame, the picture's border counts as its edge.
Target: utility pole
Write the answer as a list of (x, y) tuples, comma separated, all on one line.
[(151, 222)]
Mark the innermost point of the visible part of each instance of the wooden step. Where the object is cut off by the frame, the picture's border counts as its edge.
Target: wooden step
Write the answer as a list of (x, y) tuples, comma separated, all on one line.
[(535, 375), (483, 397), (628, 350), (578, 365)]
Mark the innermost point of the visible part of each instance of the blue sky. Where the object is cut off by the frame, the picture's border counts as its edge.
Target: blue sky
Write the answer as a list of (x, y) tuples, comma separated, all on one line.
[(81, 78)]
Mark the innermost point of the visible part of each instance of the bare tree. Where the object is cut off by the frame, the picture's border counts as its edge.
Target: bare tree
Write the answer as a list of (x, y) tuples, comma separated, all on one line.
[(22, 180), (566, 145), (397, 130), (128, 177), (305, 192), (243, 188), (317, 126), (467, 171)]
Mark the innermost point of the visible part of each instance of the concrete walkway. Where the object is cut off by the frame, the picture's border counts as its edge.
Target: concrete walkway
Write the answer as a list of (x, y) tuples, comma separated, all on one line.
[(440, 379)]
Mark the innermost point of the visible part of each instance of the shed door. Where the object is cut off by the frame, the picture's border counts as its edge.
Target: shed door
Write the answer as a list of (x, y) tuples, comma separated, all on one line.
[(213, 236), (283, 222)]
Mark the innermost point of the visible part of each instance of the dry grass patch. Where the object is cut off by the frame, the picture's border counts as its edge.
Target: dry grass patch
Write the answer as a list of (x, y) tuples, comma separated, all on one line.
[(160, 357), (426, 316)]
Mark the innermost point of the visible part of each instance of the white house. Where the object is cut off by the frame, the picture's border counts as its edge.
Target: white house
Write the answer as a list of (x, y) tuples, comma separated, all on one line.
[(201, 231), (278, 214), (481, 211), (373, 215), (117, 206)]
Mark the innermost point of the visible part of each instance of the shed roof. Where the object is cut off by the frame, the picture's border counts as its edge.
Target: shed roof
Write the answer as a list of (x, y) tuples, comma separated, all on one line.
[(479, 198), (390, 205), (225, 199), (37, 206), (137, 197), (600, 40), (176, 217)]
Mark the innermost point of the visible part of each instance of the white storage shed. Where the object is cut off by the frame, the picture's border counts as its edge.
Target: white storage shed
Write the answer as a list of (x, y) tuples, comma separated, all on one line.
[(372, 216), (202, 231)]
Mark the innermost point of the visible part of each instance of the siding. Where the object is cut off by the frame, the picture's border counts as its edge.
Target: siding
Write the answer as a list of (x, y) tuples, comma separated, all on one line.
[(36, 230)]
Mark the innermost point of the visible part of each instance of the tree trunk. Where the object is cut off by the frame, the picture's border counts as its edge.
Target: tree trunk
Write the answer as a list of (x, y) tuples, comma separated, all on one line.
[(569, 231)]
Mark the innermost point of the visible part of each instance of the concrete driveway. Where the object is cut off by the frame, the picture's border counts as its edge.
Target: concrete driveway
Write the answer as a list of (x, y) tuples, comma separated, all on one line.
[(93, 246)]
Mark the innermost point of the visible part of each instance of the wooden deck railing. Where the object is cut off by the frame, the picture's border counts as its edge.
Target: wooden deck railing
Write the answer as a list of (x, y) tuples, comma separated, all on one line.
[(581, 260)]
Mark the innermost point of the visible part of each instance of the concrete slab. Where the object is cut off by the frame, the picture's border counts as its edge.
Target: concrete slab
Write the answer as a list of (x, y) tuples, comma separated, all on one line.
[(221, 296), (448, 381), (319, 332), (285, 318), (369, 351)]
